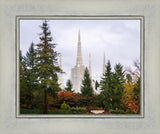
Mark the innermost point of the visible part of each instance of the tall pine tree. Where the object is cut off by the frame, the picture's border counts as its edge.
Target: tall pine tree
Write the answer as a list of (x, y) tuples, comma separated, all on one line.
[(46, 64), (107, 87), (117, 83), (107, 78), (86, 88)]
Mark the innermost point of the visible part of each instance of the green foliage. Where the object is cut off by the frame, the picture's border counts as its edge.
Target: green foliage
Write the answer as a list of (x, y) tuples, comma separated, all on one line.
[(128, 78), (106, 81), (117, 111), (96, 85), (59, 111), (30, 71), (46, 64), (30, 56), (86, 88), (78, 110), (118, 81), (26, 96), (86, 101), (69, 86), (112, 87), (64, 106), (37, 111), (106, 85), (29, 111)]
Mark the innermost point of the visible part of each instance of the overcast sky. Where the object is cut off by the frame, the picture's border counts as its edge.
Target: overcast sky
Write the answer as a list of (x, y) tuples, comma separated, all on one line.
[(118, 39)]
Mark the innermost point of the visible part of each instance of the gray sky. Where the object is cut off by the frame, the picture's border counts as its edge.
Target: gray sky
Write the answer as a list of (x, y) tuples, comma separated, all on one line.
[(119, 39)]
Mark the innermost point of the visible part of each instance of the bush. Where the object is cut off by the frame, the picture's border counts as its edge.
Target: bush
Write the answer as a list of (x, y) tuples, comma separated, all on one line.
[(59, 112), (78, 110), (30, 111), (64, 106), (117, 111)]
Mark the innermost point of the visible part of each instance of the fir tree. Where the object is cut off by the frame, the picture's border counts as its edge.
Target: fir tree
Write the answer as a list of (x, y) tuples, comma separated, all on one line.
[(118, 81), (107, 87), (86, 88), (107, 78), (46, 64), (96, 85), (30, 63), (128, 78), (69, 86), (26, 96), (30, 56)]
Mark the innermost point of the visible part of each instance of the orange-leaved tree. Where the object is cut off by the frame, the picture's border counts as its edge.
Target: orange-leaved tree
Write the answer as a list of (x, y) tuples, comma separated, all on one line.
[(127, 99)]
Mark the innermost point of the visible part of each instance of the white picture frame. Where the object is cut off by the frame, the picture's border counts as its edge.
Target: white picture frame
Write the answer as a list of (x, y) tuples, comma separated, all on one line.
[(149, 123)]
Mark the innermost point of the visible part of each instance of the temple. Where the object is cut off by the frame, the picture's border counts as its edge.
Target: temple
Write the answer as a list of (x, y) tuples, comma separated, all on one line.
[(77, 71)]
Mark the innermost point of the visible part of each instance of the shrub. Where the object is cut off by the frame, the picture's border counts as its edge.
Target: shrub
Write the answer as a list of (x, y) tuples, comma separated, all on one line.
[(72, 99), (59, 111), (89, 108), (30, 111), (64, 106), (52, 108), (78, 110), (117, 111)]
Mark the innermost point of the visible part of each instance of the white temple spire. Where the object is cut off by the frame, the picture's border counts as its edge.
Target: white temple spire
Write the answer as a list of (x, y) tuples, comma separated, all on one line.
[(79, 36), (90, 70), (104, 63), (79, 51), (60, 77)]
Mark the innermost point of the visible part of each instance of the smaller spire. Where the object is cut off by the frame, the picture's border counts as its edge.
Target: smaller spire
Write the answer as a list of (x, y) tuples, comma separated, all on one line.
[(60, 76), (60, 62), (79, 36)]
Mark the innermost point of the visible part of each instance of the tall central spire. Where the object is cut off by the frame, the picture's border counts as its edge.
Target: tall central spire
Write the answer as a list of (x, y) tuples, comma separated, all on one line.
[(79, 52)]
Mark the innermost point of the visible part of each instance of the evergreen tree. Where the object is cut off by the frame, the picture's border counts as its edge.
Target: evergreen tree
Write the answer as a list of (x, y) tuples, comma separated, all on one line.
[(30, 56), (128, 78), (30, 72), (46, 64), (69, 86), (107, 87), (118, 81), (23, 63), (86, 88), (26, 96), (96, 85), (107, 78)]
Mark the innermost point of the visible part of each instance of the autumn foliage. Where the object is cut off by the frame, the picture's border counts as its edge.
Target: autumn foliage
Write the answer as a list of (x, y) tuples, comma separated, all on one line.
[(127, 100)]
